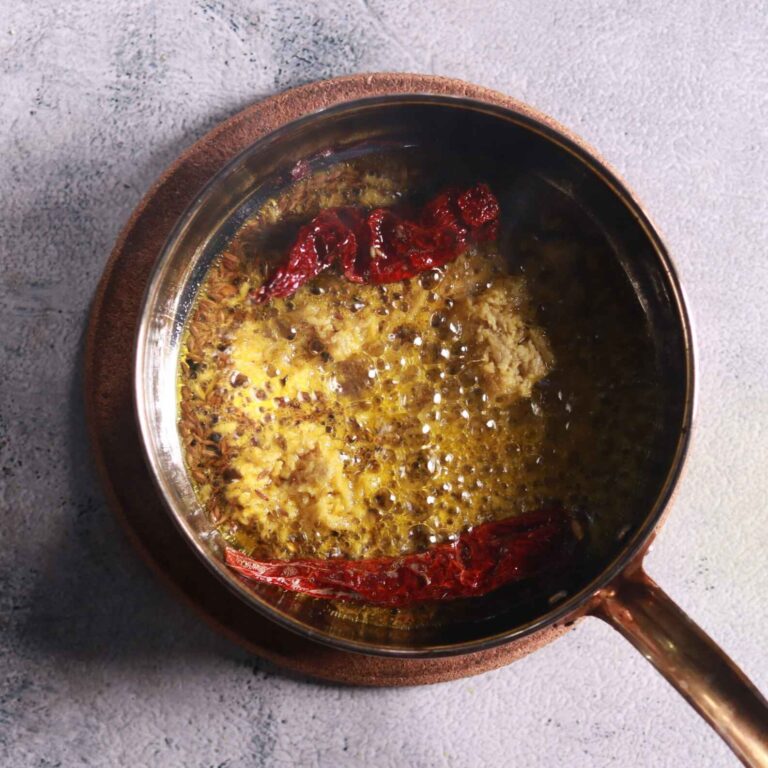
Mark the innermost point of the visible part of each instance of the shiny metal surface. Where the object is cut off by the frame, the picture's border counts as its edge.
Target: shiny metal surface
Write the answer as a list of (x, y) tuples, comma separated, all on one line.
[(698, 668), (404, 120)]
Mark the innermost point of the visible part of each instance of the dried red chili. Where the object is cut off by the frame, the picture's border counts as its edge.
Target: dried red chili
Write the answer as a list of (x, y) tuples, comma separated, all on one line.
[(384, 246), (478, 562)]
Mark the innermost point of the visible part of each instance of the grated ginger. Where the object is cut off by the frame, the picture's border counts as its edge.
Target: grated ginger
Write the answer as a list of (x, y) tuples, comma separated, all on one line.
[(363, 419)]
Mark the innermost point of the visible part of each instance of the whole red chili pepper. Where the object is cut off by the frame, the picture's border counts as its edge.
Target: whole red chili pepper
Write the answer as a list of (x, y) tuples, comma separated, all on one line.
[(384, 246), (478, 562)]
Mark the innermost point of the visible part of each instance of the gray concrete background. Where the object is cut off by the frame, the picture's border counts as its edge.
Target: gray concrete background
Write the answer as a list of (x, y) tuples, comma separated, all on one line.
[(99, 665)]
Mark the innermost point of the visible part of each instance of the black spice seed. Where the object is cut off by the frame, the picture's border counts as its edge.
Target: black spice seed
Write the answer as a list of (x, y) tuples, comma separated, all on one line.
[(238, 379)]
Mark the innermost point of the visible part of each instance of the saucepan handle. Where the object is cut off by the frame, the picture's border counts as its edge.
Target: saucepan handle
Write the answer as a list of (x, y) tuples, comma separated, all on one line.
[(716, 688)]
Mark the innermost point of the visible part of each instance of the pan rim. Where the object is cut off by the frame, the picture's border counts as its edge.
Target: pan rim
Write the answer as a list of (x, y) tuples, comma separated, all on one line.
[(629, 553)]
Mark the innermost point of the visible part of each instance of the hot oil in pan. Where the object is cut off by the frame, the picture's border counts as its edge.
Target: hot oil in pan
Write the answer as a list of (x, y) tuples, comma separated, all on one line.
[(430, 443)]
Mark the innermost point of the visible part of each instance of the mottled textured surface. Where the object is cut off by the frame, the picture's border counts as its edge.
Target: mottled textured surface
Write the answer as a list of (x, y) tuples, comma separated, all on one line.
[(100, 665)]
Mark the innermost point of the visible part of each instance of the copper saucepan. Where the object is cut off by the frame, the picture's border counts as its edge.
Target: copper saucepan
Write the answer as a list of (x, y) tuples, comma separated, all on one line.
[(504, 134)]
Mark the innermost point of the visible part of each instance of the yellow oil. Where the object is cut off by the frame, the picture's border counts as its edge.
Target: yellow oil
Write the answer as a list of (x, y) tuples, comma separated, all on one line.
[(374, 420), (357, 421)]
